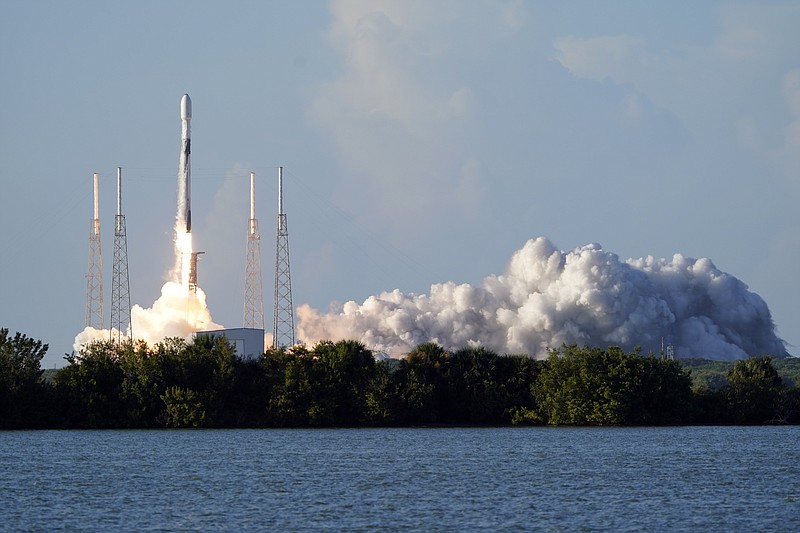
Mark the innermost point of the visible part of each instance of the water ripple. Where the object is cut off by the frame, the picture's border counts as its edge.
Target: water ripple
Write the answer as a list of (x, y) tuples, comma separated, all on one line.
[(442, 479)]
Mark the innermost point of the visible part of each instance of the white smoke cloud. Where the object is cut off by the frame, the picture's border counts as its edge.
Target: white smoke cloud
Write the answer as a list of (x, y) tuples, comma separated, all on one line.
[(176, 313), (547, 297), (91, 334)]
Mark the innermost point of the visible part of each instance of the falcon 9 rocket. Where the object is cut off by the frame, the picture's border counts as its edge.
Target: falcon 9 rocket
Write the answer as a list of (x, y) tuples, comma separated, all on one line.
[(184, 217), (185, 265)]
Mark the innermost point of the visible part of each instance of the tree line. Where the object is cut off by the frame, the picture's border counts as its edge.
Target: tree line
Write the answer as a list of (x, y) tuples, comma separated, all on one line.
[(342, 384)]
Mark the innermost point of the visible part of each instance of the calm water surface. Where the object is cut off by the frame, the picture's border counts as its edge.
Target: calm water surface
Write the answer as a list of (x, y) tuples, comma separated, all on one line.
[(510, 479)]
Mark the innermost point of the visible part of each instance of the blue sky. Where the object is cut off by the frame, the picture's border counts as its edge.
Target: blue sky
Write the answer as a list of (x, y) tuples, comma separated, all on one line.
[(422, 142)]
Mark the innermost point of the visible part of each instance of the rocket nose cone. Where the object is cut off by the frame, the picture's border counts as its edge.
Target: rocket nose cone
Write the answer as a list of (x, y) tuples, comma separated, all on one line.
[(186, 107)]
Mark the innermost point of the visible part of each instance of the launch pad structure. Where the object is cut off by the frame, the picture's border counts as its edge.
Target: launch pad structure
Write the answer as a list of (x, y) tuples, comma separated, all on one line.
[(94, 274), (253, 293), (283, 312), (253, 321), (120, 280)]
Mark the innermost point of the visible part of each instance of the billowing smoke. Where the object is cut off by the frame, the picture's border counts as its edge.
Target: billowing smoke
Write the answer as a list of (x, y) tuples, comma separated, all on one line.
[(548, 297), (176, 313)]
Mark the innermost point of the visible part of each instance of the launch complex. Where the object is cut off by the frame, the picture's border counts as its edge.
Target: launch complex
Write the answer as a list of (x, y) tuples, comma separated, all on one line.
[(248, 340)]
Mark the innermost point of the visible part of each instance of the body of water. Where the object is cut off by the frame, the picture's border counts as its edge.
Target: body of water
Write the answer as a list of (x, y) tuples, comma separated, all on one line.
[(445, 479)]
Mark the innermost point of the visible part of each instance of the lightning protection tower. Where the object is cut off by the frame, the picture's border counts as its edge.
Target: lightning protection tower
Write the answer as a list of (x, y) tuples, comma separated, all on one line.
[(253, 294), (94, 274), (120, 281), (283, 317)]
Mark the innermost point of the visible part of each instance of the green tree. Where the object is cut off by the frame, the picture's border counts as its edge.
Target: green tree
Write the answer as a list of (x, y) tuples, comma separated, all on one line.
[(420, 385), (206, 366), (290, 403), (324, 386), (754, 391), (144, 381), (89, 390), (787, 410), (247, 405), (573, 388), (380, 395), (594, 386), (184, 408), (708, 406), (479, 386), (663, 395), (345, 370), (22, 391), (518, 373)]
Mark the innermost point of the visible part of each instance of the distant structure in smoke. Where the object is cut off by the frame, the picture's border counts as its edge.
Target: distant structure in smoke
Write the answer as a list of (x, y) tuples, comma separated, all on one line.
[(547, 297)]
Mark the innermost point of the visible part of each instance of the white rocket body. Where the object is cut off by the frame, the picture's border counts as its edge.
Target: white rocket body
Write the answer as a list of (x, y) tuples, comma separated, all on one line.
[(184, 217)]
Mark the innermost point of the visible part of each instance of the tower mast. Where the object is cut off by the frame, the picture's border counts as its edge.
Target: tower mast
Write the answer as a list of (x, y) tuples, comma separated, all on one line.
[(283, 316), (94, 274), (120, 281), (253, 293)]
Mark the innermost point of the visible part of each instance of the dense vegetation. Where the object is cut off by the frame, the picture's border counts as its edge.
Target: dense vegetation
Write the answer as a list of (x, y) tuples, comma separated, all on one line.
[(204, 384)]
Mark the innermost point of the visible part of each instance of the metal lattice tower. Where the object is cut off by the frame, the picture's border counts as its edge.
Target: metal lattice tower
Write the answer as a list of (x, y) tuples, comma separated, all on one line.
[(283, 317), (253, 294), (120, 281), (94, 274), (669, 353)]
